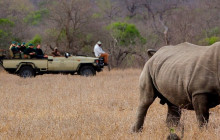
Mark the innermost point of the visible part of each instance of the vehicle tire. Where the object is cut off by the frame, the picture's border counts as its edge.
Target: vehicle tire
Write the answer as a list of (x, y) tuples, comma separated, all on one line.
[(87, 71), (26, 72)]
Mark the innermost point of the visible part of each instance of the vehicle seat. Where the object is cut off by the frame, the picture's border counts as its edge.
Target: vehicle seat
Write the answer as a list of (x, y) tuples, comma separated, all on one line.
[(10, 52), (17, 56)]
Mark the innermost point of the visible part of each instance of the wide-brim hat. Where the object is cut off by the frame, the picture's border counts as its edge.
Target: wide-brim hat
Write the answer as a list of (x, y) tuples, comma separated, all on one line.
[(99, 42)]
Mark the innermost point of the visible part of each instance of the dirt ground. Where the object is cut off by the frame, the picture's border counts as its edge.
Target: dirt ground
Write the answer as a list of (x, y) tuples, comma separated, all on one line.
[(74, 107)]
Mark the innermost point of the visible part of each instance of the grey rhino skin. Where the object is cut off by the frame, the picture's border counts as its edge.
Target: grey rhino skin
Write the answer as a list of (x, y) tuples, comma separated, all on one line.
[(182, 76)]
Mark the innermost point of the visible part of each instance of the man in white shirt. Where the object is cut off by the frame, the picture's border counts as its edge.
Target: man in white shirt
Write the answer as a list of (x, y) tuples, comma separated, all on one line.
[(100, 53)]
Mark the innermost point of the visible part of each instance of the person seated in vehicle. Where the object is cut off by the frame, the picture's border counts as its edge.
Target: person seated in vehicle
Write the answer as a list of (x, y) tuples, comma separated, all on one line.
[(13, 43), (56, 52), (30, 51), (10, 51), (100, 53), (19, 46), (15, 51), (39, 52), (23, 47)]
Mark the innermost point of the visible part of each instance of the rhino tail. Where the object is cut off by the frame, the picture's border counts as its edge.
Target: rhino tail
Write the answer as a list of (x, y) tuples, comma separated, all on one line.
[(151, 52)]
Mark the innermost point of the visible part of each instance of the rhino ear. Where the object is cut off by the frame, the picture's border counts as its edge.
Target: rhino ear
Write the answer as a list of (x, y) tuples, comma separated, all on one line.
[(151, 52)]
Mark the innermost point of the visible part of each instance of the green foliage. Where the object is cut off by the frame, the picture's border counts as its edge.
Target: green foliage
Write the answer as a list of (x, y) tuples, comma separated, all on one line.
[(211, 36), (209, 40), (6, 22), (6, 26), (36, 40), (126, 34), (36, 17), (212, 40)]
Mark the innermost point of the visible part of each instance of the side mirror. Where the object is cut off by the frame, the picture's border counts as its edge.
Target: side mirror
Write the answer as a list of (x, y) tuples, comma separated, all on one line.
[(67, 55)]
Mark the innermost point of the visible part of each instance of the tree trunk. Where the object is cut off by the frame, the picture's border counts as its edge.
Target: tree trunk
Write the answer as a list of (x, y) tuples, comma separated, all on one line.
[(165, 29)]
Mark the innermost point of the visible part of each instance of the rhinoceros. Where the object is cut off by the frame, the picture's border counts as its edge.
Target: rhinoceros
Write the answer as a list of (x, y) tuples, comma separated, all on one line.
[(184, 76)]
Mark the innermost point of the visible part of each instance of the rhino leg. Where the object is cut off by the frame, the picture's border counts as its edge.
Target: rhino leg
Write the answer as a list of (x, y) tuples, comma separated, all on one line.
[(147, 96), (201, 107), (173, 115), (141, 113)]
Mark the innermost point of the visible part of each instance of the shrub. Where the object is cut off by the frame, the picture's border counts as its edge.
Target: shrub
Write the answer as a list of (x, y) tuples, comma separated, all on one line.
[(125, 33), (209, 40), (36, 40)]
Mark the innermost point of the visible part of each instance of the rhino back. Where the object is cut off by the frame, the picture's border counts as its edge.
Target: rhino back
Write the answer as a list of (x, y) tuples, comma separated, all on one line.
[(180, 71)]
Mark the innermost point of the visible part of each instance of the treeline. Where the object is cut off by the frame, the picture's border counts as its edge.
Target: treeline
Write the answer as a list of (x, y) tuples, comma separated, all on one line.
[(127, 28)]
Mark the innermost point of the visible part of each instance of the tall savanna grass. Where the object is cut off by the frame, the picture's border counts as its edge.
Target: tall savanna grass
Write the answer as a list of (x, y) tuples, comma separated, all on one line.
[(74, 107)]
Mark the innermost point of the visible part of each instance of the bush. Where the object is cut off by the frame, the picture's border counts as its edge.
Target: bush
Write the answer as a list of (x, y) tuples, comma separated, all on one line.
[(125, 33), (212, 40), (34, 18), (209, 40), (36, 40)]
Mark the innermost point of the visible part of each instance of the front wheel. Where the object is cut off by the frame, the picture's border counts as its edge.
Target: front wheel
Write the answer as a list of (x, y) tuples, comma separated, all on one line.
[(26, 72), (87, 71)]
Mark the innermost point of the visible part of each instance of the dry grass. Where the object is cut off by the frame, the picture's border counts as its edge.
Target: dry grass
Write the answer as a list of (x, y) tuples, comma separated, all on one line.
[(75, 107)]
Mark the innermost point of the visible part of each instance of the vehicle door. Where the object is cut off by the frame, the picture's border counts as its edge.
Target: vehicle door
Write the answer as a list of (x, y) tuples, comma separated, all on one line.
[(60, 64)]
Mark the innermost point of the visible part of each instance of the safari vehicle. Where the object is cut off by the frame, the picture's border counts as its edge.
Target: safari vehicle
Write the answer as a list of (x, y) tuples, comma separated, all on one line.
[(82, 65)]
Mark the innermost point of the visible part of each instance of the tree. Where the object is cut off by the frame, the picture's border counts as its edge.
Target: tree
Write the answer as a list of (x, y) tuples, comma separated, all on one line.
[(5, 32), (157, 11), (68, 24), (76, 25), (35, 17), (125, 37), (132, 7), (12, 15), (108, 9)]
